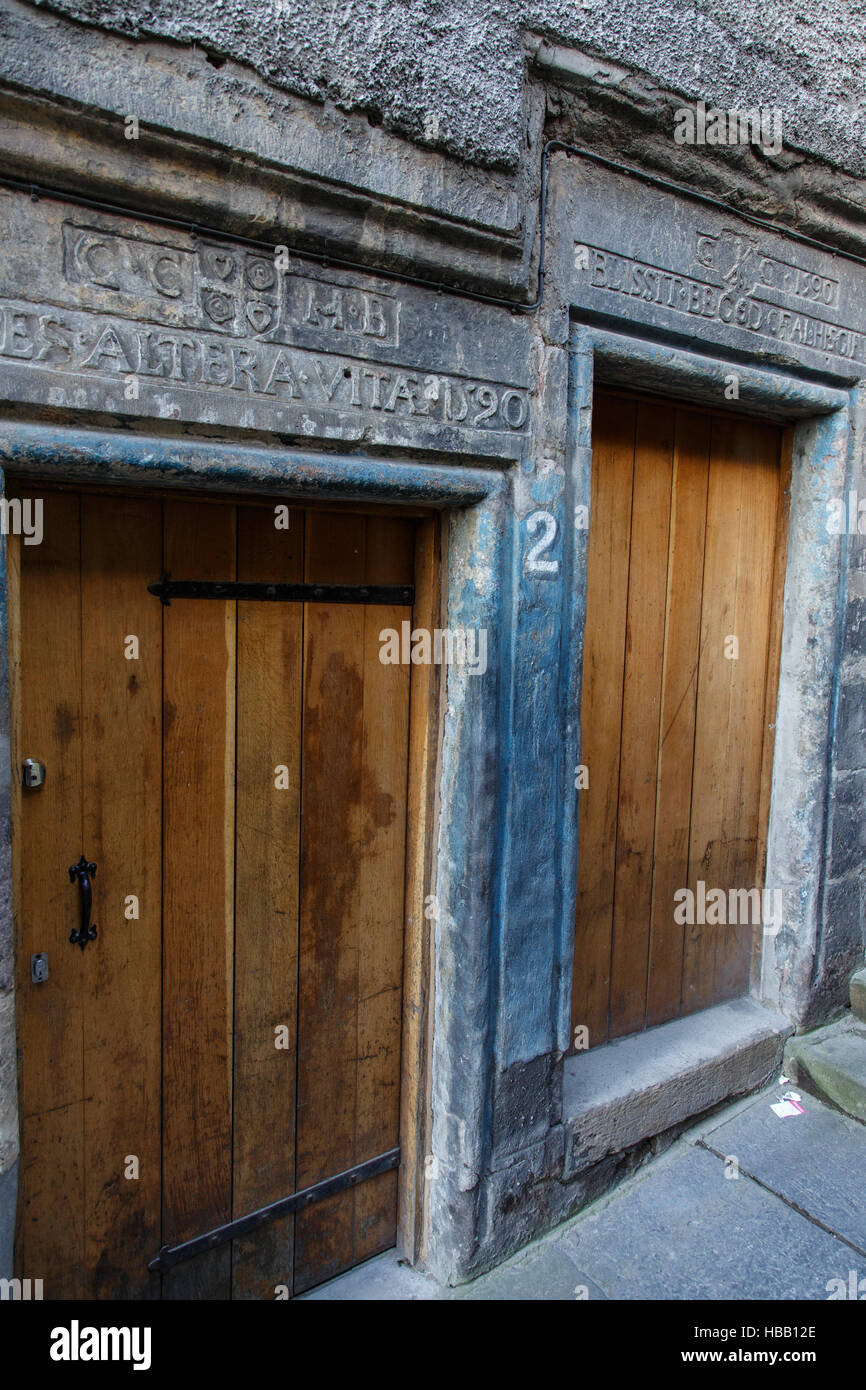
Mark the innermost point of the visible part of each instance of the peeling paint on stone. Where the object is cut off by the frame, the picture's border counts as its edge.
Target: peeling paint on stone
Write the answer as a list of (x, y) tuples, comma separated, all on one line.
[(341, 383)]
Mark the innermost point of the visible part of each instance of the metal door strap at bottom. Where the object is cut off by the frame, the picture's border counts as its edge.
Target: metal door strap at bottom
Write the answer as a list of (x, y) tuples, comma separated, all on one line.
[(256, 592), (171, 1255)]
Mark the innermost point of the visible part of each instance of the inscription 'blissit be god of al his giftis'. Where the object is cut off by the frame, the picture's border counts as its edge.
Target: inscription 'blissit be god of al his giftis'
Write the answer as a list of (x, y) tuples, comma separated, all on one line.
[(607, 270)]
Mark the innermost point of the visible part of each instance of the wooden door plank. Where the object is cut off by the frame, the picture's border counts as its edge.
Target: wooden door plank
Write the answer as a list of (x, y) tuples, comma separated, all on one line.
[(704, 805), (679, 694), (756, 448), (420, 884), (199, 773), (332, 821), (613, 427), (725, 800), (46, 675), (269, 690), (384, 750), (774, 654), (715, 672), (122, 750), (647, 593)]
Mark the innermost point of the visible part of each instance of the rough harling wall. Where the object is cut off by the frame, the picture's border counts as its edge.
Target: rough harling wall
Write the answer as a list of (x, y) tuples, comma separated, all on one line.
[(286, 121), (450, 73)]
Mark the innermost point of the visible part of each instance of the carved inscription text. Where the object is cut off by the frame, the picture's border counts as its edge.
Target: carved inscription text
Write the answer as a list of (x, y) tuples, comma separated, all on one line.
[(734, 284), (71, 341), (224, 289)]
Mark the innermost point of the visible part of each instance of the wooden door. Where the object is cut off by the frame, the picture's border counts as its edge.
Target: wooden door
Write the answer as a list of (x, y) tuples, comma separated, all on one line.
[(680, 667), (237, 770)]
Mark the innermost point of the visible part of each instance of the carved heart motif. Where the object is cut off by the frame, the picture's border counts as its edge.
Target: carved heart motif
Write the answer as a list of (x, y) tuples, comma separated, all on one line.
[(223, 265), (260, 316)]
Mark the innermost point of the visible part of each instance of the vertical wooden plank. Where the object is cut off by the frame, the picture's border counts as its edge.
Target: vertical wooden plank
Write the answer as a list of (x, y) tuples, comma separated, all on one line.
[(613, 427), (122, 749), (352, 893), (774, 655), (415, 1082), (269, 688), (756, 447), (730, 708), (12, 569), (647, 593), (332, 821), (679, 694), (46, 678), (389, 560), (199, 773), (774, 645), (715, 673)]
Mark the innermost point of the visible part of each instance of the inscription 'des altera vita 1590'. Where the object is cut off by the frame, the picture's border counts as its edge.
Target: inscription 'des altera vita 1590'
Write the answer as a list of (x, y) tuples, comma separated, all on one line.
[(85, 344), (221, 319)]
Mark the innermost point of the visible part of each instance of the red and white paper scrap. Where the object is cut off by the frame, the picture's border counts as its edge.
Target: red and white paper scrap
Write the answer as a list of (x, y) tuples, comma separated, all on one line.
[(789, 1105)]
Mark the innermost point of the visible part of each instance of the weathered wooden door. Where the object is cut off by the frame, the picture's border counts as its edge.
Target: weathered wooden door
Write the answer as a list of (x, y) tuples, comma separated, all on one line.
[(680, 669), (236, 770)]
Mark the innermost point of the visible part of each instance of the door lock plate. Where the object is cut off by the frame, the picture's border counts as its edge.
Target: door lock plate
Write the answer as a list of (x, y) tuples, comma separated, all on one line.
[(33, 772), (39, 968)]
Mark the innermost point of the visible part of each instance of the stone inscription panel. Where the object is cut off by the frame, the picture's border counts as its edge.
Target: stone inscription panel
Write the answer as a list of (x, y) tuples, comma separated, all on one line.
[(643, 256), (224, 289), (99, 313)]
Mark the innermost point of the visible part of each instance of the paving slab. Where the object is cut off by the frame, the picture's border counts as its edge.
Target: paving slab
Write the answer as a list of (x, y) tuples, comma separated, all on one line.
[(549, 1275), (816, 1161), (685, 1231), (384, 1279), (679, 1229)]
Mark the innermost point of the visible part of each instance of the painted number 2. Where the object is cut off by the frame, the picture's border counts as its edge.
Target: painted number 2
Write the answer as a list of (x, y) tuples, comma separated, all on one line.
[(544, 523)]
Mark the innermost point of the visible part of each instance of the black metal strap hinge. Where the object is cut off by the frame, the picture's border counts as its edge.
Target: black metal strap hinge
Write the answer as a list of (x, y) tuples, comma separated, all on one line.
[(171, 1255), (169, 588)]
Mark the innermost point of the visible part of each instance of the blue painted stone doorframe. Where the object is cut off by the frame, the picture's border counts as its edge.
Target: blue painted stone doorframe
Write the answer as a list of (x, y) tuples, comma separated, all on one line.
[(506, 851), (503, 1001)]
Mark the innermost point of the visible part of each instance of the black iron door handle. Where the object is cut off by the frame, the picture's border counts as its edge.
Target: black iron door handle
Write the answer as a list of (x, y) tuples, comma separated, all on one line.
[(83, 871)]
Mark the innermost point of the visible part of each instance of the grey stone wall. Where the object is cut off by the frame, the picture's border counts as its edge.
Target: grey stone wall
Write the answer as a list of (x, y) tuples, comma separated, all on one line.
[(239, 133), (449, 73), (844, 939)]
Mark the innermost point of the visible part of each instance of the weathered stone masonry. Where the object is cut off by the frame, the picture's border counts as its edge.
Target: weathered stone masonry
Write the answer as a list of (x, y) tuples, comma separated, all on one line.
[(147, 335)]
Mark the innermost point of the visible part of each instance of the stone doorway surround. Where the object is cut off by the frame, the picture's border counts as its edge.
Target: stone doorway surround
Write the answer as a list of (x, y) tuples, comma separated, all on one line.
[(519, 1133)]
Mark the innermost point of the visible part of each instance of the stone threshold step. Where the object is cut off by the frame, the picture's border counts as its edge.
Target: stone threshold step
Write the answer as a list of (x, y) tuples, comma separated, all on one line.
[(858, 995), (637, 1087), (830, 1063)]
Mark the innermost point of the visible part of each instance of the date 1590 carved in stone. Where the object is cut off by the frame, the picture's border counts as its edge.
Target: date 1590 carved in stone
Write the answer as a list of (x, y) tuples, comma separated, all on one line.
[(116, 315)]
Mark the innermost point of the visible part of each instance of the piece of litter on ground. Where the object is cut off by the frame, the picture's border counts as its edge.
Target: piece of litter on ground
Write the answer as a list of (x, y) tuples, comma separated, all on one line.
[(784, 1108), (792, 1095), (783, 1080)]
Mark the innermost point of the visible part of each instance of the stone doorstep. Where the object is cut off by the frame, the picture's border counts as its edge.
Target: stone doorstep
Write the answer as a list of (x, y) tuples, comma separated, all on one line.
[(858, 994), (634, 1088), (830, 1063)]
